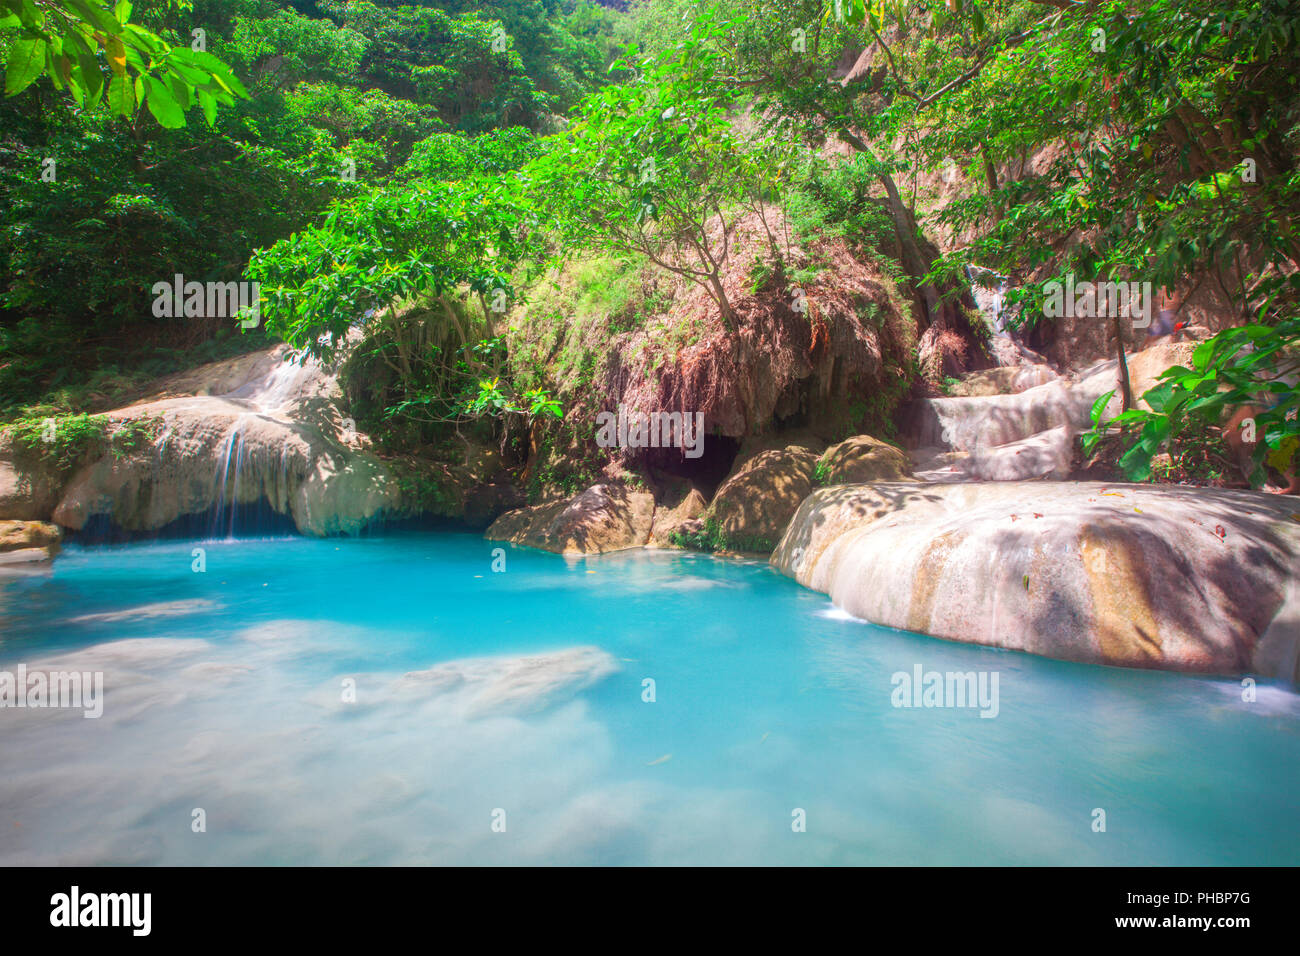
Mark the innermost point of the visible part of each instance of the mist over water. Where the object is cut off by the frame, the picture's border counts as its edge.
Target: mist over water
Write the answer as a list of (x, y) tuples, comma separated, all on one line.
[(522, 691)]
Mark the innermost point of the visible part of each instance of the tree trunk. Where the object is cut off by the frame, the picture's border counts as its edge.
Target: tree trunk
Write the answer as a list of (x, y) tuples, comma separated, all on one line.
[(724, 305), (1121, 371)]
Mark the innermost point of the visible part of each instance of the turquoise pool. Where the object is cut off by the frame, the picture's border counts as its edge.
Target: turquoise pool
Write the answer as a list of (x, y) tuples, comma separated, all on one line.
[(394, 700)]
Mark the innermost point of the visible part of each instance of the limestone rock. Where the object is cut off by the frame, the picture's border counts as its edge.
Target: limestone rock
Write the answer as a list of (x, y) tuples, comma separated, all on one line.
[(675, 512), (274, 433), (1002, 381), (605, 517), (1133, 575), (1048, 454), (28, 492), (28, 542), (754, 505), (862, 458)]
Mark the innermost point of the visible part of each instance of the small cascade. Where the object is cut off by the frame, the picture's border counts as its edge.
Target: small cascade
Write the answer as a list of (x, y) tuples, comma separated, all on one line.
[(989, 291), (230, 463), (278, 387)]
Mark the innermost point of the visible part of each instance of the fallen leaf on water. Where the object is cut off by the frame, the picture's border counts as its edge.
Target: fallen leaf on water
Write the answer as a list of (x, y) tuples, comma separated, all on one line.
[(664, 759), (765, 736)]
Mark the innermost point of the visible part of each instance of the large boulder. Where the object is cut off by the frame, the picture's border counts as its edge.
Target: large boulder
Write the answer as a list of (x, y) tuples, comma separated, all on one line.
[(1133, 575), (678, 506), (861, 458), (605, 517), (753, 506)]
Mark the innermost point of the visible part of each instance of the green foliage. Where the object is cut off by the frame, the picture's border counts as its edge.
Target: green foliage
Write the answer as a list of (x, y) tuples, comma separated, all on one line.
[(128, 204), (63, 39), (452, 157), (655, 167), (710, 538), (1152, 134), (385, 246), (1254, 364), (836, 200), (64, 443), (531, 403)]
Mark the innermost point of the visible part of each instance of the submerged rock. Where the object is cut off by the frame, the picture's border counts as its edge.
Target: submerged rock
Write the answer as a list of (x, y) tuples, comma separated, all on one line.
[(512, 685), (1131, 575)]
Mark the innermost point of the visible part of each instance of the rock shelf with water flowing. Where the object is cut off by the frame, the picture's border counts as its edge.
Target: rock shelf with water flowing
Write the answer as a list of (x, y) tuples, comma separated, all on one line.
[(264, 429)]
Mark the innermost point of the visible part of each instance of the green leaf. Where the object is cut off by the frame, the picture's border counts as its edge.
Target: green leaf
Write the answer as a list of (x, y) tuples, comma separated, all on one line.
[(96, 15), (180, 92), (116, 54), (90, 74), (26, 63), (209, 104), (121, 95), (1099, 406)]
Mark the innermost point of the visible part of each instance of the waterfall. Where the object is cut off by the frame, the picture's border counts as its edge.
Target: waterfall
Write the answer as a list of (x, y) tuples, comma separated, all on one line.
[(230, 462), (989, 290), (269, 396)]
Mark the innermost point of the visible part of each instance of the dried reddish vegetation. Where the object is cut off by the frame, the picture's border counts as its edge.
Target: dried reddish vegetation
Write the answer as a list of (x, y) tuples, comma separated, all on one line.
[(842, 363)]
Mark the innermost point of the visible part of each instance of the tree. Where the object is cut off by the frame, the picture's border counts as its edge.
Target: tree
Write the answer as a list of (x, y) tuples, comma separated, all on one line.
[(653, 167)]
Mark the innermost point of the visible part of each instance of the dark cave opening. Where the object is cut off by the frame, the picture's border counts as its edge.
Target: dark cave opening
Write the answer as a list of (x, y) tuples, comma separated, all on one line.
[(717, 455)]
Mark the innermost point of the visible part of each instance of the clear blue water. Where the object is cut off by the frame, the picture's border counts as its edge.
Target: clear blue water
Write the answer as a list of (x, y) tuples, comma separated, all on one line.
[(767, 701)]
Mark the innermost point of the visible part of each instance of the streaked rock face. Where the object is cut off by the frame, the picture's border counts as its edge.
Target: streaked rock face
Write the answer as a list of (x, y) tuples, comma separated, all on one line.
[(272, 439), (1131, 575), (274, 432)]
